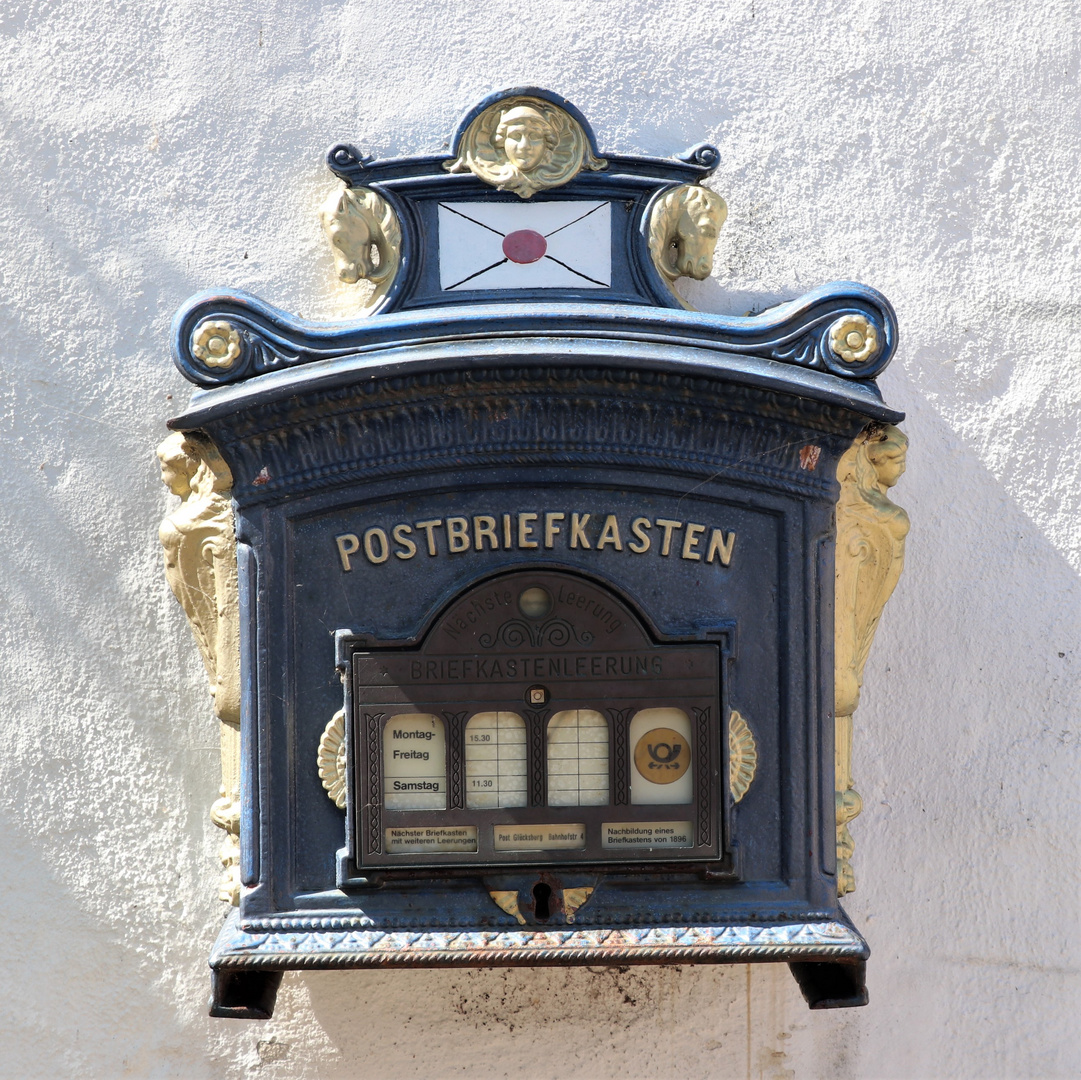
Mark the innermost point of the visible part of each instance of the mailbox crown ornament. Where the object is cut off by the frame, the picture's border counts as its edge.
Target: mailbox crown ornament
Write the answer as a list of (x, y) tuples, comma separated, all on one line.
[(524, 143), (521, 594)]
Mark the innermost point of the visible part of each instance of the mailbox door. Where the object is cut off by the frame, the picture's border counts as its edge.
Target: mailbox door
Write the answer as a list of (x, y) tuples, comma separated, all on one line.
[(536, 724)]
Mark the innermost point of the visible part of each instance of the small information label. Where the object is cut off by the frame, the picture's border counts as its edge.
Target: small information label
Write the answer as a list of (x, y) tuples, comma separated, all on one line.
[(652, 834), (414, 763), (415, 840), (539, 837)]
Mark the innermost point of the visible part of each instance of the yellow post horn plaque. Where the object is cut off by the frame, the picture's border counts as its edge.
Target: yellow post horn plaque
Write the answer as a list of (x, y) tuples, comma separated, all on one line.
[(662, 755)]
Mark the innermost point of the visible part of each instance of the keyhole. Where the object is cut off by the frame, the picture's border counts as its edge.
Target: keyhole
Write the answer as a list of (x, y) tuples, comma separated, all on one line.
[(541, 895)]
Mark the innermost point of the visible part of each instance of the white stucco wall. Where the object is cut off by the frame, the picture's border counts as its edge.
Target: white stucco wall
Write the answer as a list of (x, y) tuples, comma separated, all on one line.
[(152, 149)]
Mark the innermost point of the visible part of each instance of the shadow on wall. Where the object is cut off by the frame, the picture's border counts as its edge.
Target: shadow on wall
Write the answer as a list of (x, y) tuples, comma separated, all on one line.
[(77, 999), (965, 750), (623, 1022), (962, 754), (968, 723)]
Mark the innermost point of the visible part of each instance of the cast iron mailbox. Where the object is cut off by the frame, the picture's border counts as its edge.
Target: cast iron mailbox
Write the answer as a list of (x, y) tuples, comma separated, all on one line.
[(534, 577)]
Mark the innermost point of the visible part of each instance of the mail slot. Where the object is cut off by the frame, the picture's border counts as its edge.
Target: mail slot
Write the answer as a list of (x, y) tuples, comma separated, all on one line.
[(534, 604)]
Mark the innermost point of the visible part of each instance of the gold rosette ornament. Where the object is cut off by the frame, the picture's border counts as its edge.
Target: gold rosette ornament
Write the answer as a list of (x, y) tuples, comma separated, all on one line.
[(216, 343), (854, 339)]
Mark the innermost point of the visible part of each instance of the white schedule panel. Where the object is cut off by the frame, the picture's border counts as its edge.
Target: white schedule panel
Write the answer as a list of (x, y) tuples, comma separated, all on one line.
[(578, 758), (414, 763), (495, 761)]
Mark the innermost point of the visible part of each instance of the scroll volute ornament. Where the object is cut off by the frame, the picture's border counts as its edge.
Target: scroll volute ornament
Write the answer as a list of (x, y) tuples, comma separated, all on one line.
[(683, 229), (200, 566), (871, 533)]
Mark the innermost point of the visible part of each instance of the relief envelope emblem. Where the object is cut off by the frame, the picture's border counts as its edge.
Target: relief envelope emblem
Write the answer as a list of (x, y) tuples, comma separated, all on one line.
[(662, 755), (564, 244)]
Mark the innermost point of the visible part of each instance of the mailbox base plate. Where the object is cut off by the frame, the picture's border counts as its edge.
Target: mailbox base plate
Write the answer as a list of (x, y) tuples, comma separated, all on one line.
[(827, 957)]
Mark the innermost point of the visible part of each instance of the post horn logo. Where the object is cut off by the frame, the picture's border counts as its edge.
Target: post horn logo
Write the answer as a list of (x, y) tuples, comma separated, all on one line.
[(662, 755)]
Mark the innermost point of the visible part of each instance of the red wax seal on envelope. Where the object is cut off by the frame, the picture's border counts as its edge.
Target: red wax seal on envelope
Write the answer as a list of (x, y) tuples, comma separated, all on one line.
[(524, 246)]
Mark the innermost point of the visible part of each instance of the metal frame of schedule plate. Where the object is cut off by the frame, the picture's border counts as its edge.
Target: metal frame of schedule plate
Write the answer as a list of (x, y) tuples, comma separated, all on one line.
[(531, 614), (607, 728)]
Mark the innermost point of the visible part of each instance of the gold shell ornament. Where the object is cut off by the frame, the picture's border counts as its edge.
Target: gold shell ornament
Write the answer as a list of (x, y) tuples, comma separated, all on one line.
[(332, 759), (524, 145), (573, 899), (742, 756)]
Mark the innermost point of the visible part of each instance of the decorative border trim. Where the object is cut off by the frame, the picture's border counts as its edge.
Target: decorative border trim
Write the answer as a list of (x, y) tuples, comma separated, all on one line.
[(327, 438), (827, 940), (706, 812), (373, 810)]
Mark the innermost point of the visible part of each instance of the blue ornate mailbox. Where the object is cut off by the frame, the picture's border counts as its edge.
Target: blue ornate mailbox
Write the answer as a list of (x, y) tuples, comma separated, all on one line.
[(517, 593)]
